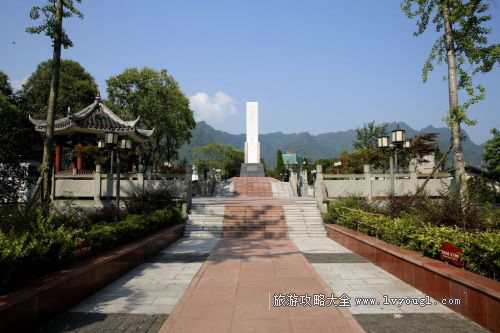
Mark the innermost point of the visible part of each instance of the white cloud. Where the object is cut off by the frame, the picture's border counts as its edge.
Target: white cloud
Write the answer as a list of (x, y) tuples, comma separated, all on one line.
[(17, 84), (214, 108)]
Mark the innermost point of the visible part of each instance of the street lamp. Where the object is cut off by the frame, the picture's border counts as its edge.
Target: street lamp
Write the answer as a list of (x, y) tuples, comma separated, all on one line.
[(125, 144), (111, 142), (383, 142), (111, 139), (399, 142), (398, 136)]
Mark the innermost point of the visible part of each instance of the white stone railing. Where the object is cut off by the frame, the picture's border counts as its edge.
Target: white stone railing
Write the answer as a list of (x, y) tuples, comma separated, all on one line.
[(376, 185), (101, 187)]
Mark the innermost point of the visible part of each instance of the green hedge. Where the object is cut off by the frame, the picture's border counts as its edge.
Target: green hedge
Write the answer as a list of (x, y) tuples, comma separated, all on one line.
[(37, 253), (480, 250)]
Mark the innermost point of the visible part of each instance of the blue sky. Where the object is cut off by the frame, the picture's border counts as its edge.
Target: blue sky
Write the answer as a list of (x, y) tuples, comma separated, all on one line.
[(313, 65)]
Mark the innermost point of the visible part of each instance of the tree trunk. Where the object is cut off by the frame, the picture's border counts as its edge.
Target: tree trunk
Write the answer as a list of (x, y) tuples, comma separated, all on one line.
[(54, 87), (436, 167), (454, 116)]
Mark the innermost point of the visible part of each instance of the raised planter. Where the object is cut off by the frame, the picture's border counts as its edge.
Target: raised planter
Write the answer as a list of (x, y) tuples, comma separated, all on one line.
[(480, 296), (25, 310)]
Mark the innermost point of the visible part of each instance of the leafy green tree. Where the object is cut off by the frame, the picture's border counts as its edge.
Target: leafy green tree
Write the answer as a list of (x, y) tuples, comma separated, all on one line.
[(326, 164), (54, 11), (13, 151), (481, 190), (156, 97), (280, 169), (219, 156), (263, 165), (360, 157), (365, 148), (491, 155), (463, 46), (5, 87), (76, 90), (366, 136)]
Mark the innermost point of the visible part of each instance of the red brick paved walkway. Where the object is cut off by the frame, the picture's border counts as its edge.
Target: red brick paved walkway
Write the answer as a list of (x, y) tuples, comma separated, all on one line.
[(234, 289), (233, 292), (253, 186), (266, 220)]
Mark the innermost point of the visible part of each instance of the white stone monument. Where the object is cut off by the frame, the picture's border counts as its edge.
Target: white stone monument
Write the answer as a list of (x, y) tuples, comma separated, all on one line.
[(252, 166), (252, 145)]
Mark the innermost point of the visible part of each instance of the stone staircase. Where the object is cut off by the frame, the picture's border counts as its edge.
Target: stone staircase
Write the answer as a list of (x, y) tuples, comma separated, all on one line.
[(304, 219), (224, 189), (282, 190), (205, 220), (255, 221)]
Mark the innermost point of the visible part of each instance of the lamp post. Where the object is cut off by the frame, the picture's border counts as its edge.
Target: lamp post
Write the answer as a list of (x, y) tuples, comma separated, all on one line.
[(399, 142), (125, 144), (111, 142)]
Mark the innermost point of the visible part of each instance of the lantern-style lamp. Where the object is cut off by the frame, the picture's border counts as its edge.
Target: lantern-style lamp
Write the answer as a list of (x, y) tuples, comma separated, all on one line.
[(407, 144), (383, 142), (100, 143), (111, 138), (125, 143), (398, 136)]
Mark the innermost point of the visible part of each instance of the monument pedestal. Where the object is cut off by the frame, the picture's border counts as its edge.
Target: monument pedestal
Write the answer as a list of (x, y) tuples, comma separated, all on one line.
[(252, 170)]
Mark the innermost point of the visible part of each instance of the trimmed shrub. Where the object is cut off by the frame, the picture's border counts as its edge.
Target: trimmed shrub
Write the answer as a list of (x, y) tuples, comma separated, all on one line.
[(50, 245), (480, 250)]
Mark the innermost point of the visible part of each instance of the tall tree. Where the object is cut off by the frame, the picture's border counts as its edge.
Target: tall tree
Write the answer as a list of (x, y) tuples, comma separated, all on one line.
[(53, 12), (13, 151), (366, 136), (77, 89), (463, 46), (491, 155), (5, 87), (219, 156), (156, 97), (280, 170)]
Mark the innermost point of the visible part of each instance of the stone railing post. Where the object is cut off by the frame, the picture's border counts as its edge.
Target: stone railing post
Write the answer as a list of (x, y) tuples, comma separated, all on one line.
[(320, 189), (140, 179), (368, 181), (412, 168), (97, 185), (305, 183), (188, 195), (294, 182)]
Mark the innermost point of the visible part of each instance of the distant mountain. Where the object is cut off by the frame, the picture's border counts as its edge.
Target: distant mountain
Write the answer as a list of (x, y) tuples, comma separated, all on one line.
[(325, 145)]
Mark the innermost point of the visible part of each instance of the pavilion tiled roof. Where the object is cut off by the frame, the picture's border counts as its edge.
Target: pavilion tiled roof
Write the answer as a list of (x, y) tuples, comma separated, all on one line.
[(97, 118)]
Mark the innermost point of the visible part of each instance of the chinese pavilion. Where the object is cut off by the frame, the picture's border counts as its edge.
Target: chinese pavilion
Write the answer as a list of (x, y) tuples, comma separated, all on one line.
[(87, 128)]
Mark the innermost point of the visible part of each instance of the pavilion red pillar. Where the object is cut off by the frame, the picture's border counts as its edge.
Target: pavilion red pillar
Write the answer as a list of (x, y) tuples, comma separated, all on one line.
[(58, 158), (79, 162)]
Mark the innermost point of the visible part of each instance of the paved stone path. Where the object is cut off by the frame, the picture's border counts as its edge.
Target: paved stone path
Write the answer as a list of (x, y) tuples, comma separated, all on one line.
[(141, 300), (213, 285), (346, 272), (233, 292)]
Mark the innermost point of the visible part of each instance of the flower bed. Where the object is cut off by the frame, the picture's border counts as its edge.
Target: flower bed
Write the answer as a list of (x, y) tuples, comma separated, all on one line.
[(480, 250), (38, 251)]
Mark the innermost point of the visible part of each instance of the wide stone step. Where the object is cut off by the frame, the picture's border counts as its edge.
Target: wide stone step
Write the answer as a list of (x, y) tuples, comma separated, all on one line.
[(200, 225), (203, 234), (206, 220), (205, 224), (255, 234)]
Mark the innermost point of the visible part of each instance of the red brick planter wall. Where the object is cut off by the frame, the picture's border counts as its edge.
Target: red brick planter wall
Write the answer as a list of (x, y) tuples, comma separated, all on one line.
[(27, 309), (480, 296)]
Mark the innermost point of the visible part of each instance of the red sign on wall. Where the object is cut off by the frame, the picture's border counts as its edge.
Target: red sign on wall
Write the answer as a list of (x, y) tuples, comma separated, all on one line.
[(452, 254)]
